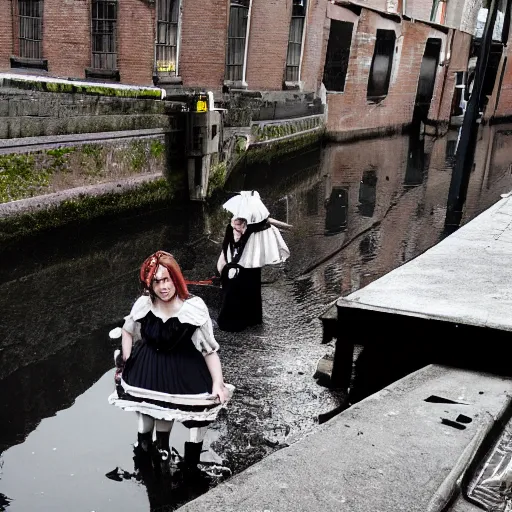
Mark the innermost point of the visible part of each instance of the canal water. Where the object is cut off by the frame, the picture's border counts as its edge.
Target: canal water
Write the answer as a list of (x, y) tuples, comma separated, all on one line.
[(358, 210)]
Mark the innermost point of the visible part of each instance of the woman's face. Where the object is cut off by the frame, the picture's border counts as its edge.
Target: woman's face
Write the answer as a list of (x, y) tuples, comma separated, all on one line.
[(162, 285), (239, 225)]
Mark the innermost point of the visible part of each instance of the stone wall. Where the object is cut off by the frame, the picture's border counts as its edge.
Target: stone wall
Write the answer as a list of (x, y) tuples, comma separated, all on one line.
[(36, 173), (35, 114)]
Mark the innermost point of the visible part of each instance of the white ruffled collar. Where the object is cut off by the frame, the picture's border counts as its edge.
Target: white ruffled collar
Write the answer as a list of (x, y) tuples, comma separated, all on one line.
[(193, 311)]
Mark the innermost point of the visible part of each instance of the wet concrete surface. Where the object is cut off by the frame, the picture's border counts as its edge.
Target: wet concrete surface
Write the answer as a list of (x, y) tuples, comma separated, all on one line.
[(61, 293)]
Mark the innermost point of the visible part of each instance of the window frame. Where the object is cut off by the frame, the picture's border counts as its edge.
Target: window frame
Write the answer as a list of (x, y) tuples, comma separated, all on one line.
[(162, 73), (27, 17), (348, 52), (104, 70), (381, 43), (230, 78), (304, 18)]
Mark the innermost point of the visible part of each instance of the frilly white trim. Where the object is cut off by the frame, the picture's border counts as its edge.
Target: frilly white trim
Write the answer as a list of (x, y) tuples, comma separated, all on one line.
[(163, 413), (247, 205), (265, 247), (193, 311)]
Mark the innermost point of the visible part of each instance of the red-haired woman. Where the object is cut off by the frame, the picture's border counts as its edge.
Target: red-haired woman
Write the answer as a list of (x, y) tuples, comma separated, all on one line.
[(174, 372)]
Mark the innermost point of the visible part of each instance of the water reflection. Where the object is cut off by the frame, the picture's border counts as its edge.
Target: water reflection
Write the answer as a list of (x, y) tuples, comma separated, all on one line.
[(358, 210)]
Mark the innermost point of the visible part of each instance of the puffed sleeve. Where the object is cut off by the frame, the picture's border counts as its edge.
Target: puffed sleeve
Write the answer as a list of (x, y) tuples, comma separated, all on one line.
[(139, 310), (204, 339)]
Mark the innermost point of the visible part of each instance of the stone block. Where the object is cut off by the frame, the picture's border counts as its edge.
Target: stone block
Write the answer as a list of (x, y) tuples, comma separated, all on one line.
[(48, 107), (32, 127), (4, 107), (4, 128), (14, 127)]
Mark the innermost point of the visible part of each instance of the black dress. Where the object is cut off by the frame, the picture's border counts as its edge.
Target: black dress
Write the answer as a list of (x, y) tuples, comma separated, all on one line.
[(166, 360), (166, 375), (241, 287)]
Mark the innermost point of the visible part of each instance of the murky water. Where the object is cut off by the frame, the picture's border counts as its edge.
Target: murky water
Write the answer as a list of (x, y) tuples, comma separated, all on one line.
[(358, 211)]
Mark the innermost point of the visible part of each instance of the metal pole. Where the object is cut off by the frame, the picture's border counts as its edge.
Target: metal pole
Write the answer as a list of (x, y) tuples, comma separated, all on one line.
[(466, 147)]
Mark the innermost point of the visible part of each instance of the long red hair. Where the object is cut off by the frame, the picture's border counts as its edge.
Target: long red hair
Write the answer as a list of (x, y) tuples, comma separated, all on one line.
[(150, 266)]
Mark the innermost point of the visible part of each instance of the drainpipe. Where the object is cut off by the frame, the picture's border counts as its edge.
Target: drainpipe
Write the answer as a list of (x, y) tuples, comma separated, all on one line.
[(506, 24), (466, 148)]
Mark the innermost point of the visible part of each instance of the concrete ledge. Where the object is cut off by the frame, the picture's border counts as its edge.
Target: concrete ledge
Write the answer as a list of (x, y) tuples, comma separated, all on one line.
[(389, 453), (39, 203), (24, 144)]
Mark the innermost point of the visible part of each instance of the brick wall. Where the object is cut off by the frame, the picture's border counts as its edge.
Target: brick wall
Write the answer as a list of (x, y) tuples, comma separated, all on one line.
[(266, 58), (66, 37), (419, 9), (203, 43), (504, 101), (351, 110), (5, 34), (136, 37), (380, 5), (315, 45), (445, 84)]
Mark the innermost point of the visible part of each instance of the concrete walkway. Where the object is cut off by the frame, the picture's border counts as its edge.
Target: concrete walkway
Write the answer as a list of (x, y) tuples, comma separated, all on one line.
[(466, 278), (389, 453)]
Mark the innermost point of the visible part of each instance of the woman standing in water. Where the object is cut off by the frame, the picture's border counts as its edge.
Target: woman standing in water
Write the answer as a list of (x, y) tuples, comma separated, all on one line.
[(250, 242), (174, 371)]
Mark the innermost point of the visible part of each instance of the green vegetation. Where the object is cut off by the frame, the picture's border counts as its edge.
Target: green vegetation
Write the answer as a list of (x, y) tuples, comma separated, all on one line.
[(274, 150), (217, 177), (20, 178), (99, 90), (84, 208)]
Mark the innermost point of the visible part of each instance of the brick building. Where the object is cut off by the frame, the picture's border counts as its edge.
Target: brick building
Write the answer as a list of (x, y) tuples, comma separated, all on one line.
[(369, 59)]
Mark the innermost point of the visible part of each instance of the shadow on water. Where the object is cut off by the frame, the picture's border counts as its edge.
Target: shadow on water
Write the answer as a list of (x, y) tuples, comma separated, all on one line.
[(358, 209)]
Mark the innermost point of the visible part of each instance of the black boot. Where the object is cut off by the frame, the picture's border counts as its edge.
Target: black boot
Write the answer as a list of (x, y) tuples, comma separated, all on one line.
[(144, 442), (192, 455), (162, 445)]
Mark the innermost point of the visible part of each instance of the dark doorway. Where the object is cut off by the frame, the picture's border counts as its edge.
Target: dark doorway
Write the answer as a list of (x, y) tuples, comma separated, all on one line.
[(338, 52)]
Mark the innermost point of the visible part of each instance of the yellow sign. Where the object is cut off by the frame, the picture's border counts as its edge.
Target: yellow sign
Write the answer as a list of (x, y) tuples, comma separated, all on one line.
[(201, 106), (165, 66)]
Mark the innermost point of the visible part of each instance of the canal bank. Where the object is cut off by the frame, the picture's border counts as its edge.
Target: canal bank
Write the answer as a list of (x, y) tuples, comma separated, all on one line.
[(429, 309), (401, 449), (56, 361)]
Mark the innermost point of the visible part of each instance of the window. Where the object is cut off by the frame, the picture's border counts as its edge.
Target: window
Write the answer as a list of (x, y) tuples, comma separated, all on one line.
[(380, 71), (292, 73), (237, 39), (336, 211), (312, 198), (30, 13), (438, 13), (368, 193), (428, 70), (451, 150), (338, 52), (416, 157), (168, 13), (104, 34)]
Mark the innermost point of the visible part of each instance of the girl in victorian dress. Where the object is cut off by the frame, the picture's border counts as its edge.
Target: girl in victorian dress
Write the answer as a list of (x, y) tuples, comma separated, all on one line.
[(173, 372), (251, 241)]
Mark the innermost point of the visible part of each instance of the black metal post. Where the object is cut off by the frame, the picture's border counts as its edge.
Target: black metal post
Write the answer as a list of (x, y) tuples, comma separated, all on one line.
[(466, 147)]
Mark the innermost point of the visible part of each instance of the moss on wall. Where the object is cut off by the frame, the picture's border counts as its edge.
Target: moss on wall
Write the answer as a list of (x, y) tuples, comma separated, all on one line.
[(84, 208), (274, 150), (217, 177), (263, 132), (98, 90), (42, 172), (20, 176)]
